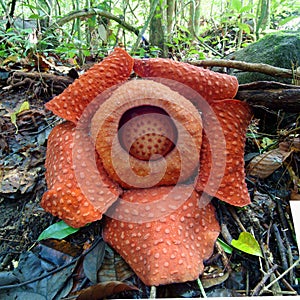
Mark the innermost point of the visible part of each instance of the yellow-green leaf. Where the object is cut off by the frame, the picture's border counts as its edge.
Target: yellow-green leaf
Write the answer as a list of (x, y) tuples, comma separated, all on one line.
[(247, 243), (24, 106), (13, 116)]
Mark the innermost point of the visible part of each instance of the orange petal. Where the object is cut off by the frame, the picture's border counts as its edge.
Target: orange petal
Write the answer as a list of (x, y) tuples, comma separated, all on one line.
[(114, 69), (167, 249), (79, 192), (222, 171), (210, 85)]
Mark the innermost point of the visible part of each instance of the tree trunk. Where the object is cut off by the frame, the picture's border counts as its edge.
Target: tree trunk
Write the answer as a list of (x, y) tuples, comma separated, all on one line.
[(11, 13), (170, 15), (195, 14), (156, 34)]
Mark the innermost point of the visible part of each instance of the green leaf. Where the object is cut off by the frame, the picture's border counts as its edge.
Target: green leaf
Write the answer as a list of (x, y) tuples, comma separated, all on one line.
[(184, 29), (227, 248), (86, 52), (236, 5), (35, 17), (247, 243), (245, 27), (58, 231), (13, 116), (24, 106), (117, 11), (30, 6), (266, 142), (246, 8), (286, 20)]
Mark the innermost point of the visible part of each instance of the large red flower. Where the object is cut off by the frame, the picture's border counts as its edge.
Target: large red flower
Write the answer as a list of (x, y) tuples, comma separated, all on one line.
[(149, 153)]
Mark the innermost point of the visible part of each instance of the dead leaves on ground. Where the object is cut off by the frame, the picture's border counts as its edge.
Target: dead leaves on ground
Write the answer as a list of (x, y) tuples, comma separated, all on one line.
[(265, 164), (22, 152), (102, 290), (57, 270)]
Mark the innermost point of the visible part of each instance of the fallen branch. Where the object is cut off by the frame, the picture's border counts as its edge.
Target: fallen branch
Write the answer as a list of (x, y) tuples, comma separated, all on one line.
[(46, 76), (245, 66), (270, 94), (87, 13), (54, 84)]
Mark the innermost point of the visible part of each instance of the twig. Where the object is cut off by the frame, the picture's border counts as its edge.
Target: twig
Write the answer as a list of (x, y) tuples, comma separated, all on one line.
[(236, 218), (201, 288), (281, 247), (87, 13), (245, 66), (247, 283), (287, 285), (5, 287), (261, 284), (289, 254), (223, 257), (283, 274), (224, 230)]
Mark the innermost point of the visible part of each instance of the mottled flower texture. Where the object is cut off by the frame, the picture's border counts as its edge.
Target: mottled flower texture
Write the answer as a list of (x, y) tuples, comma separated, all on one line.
[(150, 154)]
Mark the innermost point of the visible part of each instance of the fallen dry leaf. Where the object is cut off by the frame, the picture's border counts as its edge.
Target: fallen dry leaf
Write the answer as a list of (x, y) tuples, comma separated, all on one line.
[(114, 268), (104, 289), (93, 261), (213, 275), (265, 164)]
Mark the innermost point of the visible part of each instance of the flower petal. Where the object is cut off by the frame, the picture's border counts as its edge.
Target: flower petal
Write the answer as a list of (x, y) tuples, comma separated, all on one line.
[(210, 85), (171, 248), (114, 69), (178, 165), (79, 192), (227, 120)]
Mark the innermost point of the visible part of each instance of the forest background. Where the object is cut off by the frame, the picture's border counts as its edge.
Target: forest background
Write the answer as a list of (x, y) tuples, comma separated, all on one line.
[(180, 29)]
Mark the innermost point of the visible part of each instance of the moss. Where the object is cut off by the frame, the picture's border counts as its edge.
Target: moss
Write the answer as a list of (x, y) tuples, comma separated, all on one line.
[(279, 49)]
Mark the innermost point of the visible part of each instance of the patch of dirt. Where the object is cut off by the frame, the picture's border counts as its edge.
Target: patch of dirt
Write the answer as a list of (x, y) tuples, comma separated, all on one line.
[(268, 217)]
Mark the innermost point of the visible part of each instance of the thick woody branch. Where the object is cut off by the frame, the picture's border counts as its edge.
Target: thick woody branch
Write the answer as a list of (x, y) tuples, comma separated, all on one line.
[(245, 66), (270, 94)]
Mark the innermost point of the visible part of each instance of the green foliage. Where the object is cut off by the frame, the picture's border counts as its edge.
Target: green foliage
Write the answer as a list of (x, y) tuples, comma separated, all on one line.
[(58, 230), (13, 116), (227, 248), (247, 243), (222, 27), (15, 42)]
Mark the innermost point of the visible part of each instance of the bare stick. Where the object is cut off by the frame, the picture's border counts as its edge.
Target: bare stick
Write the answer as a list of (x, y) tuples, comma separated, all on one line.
[(261, 284), (245, 66), (281, 247), (283, 274)]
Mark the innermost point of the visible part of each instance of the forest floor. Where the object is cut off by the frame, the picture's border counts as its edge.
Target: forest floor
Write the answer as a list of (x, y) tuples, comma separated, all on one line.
[(56, 269)]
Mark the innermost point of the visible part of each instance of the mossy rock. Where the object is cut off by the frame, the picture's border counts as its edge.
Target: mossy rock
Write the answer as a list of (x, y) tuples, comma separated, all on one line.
[(279, 49)]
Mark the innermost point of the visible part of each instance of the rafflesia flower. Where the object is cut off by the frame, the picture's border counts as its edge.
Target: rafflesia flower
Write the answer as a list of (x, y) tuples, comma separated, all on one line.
[(150, 154)]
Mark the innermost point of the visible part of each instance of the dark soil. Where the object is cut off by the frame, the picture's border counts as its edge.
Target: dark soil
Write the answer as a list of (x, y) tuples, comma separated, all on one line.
[(22, 184)]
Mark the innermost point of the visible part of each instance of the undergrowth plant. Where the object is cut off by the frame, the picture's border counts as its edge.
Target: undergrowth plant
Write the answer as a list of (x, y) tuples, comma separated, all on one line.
[(221, 27)]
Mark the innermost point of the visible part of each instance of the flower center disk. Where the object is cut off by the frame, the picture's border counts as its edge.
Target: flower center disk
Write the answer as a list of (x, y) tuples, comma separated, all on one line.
[(147, 132)]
